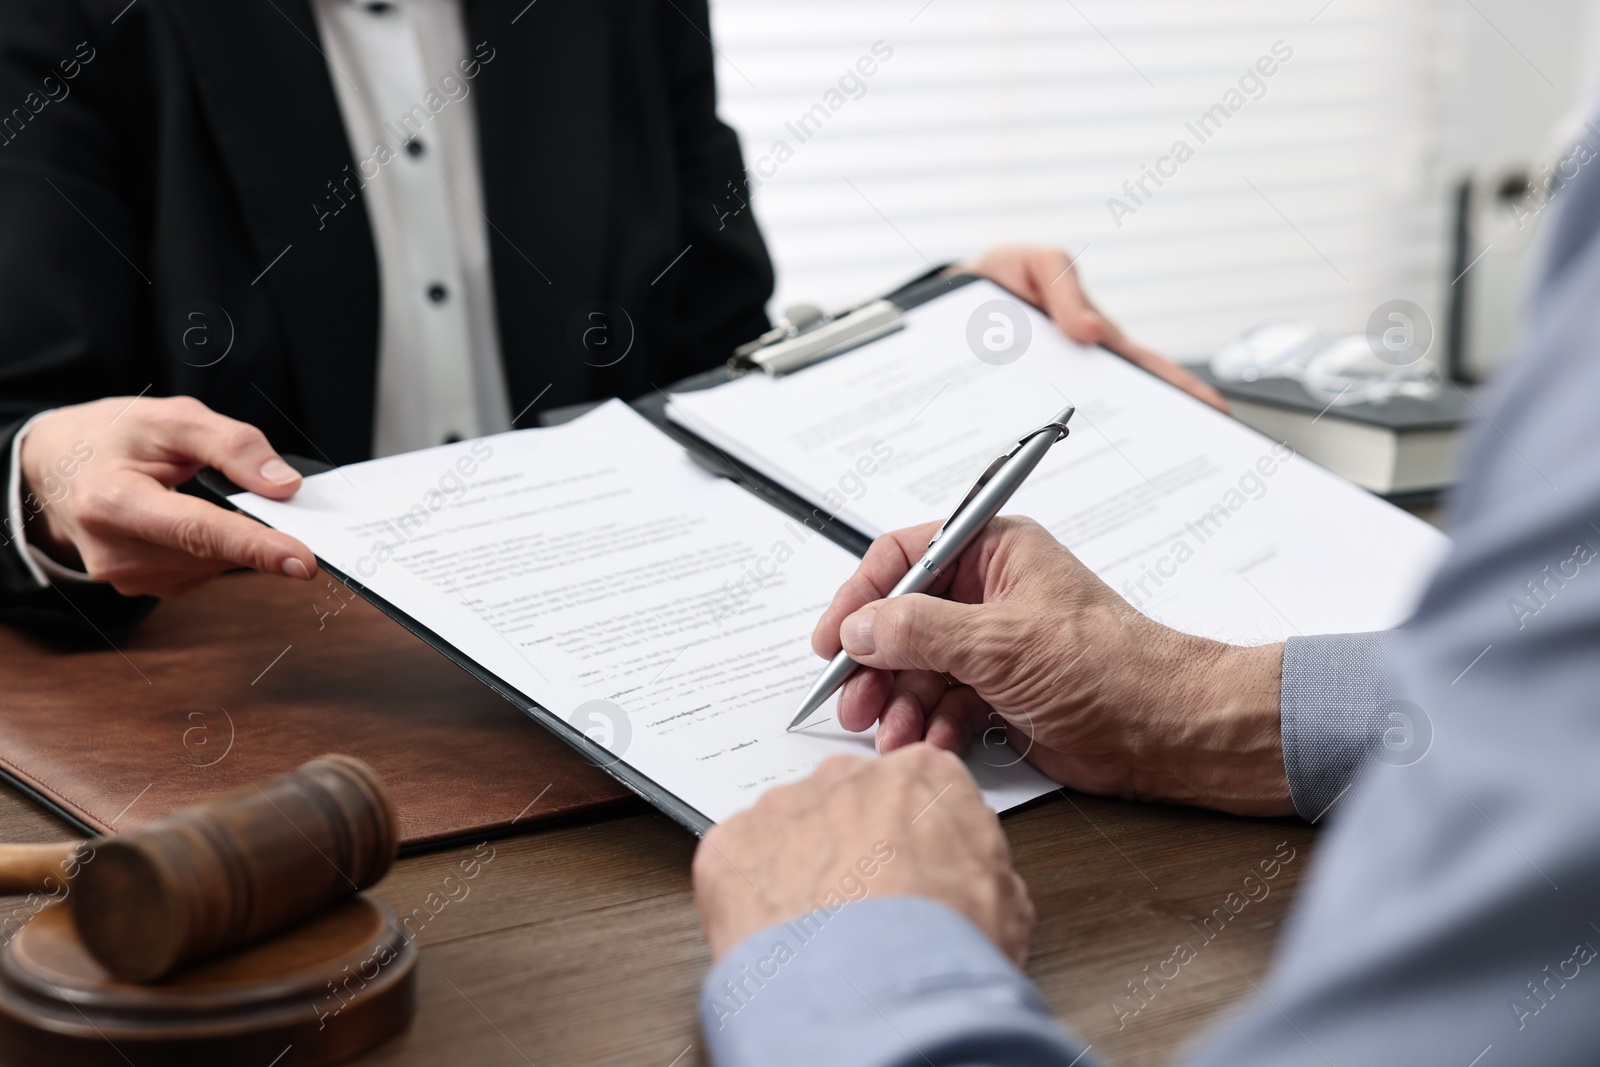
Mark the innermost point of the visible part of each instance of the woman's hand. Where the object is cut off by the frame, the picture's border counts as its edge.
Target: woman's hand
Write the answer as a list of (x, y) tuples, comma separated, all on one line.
[(1047, 278), (115, 515)]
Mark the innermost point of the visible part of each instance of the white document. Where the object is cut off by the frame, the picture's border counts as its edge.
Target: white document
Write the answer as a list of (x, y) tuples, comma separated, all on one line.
[(595, 568), (1196, 519)]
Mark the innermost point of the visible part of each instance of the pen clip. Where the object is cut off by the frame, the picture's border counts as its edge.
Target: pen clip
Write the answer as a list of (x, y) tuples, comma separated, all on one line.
[(994, 468)]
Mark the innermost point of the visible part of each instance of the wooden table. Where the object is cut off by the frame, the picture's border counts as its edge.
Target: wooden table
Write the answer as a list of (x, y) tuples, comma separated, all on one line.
[(579, 944)]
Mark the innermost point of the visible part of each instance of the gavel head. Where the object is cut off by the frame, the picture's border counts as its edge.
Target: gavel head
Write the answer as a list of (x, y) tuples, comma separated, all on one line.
[(235, 868)]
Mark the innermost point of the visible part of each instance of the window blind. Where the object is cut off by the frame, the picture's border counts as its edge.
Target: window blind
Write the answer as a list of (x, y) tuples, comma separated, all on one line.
[(885, 135)]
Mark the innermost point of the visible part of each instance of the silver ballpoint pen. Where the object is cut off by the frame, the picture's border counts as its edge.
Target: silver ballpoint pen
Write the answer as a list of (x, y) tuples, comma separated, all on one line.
[(994, 487)]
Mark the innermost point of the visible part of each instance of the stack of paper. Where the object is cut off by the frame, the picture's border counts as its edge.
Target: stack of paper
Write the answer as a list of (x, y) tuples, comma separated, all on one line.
[(596, 569)]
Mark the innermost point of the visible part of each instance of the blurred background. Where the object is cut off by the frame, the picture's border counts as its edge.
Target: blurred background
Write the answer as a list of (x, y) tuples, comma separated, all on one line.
[(1397, 151)]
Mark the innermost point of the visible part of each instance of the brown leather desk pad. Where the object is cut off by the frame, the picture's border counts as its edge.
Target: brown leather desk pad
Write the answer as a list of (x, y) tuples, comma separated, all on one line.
[(250, 676)]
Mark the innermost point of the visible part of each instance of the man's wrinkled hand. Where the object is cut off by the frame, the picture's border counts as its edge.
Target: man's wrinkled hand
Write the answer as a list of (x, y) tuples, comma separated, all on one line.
[(913, 823), (1020, 641)]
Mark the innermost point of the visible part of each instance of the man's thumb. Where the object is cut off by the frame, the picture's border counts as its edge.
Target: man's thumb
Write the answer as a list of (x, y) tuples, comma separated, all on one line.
[(917, 632)]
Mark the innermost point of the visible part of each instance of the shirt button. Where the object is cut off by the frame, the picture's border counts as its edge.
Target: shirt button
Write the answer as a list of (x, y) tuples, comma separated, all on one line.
[(414, 148), (380, 7), (437, 293)]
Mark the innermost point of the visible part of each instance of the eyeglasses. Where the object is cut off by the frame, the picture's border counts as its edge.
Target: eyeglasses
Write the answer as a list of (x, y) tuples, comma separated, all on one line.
[(1335, 369)]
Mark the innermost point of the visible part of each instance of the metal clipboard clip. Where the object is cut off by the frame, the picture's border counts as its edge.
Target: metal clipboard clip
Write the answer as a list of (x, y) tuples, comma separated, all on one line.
[(994, 468), (807, 335)]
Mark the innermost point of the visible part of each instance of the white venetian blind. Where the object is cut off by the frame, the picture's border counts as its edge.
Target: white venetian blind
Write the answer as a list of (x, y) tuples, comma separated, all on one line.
[(1016, 120)]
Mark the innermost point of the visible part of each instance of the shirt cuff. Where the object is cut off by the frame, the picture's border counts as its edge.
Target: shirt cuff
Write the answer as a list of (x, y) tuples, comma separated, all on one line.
[(1333, 708), (899, 981), (41, 566)]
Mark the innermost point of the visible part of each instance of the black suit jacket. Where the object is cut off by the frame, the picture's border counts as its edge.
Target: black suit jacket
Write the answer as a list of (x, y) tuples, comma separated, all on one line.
[(174, 157)]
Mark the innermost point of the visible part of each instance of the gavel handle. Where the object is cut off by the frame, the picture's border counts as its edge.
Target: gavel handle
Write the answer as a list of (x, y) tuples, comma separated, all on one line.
[(24, 868)]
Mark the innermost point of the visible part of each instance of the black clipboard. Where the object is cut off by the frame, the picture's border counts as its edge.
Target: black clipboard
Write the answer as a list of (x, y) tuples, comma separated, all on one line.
[(641, 784), (653, 407)]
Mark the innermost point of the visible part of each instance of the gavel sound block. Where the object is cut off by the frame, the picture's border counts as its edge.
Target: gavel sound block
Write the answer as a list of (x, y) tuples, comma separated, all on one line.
[(178, 943)]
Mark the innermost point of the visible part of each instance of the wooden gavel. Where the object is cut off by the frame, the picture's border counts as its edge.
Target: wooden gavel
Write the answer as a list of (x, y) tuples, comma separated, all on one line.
[(220, 874)]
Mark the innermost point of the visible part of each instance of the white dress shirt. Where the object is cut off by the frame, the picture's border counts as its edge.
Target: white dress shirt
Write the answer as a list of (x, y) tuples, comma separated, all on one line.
[(399, 69), (402, 71)]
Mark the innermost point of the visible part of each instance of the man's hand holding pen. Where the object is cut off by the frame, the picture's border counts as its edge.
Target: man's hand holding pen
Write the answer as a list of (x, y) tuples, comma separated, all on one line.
[(1017, 635), (1021, 636)]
